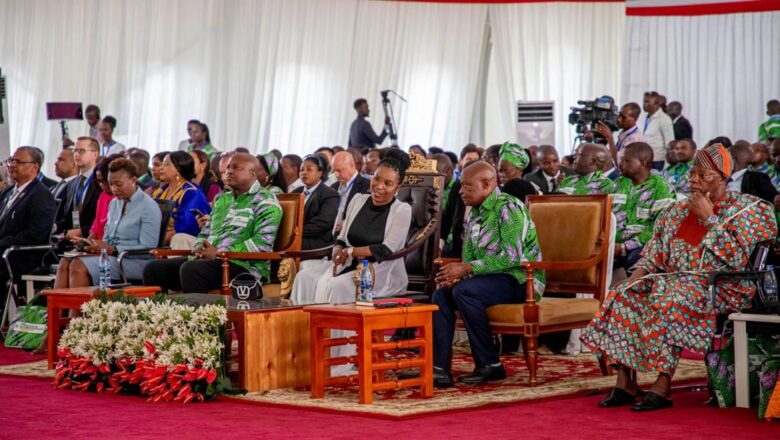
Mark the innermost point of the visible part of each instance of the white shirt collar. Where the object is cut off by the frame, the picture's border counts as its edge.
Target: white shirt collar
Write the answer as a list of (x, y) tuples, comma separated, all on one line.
[(738, 175), (19, 189), (311, 190), (608, 172), (68, 179), (549, 177), (87, 173), (674, 121)]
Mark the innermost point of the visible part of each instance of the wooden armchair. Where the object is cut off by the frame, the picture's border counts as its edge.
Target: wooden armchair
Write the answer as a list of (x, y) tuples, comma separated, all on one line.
[(573, 235), (289, 237)]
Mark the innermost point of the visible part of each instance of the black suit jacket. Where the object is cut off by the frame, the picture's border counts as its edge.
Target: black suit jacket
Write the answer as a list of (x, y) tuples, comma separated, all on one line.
[(48, 183), (682, 129), (88, 207), (361, 185), (319, 215), (452, 221), (29, 220), (759, 185), (538, 178)]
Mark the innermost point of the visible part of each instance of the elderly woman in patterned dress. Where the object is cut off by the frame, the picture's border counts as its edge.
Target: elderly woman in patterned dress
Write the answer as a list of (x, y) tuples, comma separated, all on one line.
[(663, 308)]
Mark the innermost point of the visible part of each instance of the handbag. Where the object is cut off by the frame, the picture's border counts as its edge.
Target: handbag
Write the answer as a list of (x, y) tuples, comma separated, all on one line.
[(245, 287), (29, 330)]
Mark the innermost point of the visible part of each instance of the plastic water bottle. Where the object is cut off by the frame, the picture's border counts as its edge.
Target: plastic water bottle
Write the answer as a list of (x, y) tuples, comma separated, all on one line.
[(366, 282), (770, 285), (104, 268)]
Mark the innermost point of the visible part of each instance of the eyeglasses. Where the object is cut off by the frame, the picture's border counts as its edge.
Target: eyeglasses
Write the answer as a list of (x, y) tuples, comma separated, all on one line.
[(17, 162), (83, 150), (707, 177)]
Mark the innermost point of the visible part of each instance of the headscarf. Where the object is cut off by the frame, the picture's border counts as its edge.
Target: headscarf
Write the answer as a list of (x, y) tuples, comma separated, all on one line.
[(273, 163), (716, 158), (514, 154)]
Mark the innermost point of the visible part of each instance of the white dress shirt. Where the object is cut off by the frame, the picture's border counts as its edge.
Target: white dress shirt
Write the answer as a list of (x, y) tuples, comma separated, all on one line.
[(735, 182), (658, 131), (308, 191), (113, 147)]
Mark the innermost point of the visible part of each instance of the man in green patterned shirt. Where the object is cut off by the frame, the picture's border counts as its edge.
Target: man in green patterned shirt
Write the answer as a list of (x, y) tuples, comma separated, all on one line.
[(499, 235), (682, 152), (244, 219), (639, 198), (588, 162)]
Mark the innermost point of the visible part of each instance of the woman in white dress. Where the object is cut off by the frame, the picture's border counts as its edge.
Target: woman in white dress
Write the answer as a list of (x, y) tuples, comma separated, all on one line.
[(376, 225)]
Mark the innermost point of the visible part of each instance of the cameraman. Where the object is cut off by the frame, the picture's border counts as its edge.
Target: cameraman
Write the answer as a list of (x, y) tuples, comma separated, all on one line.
[(629, 130)]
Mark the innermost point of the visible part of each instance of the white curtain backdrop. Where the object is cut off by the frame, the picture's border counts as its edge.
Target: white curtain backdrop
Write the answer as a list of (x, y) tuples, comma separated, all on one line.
[(562, 52), (722, 68), (262, 74)]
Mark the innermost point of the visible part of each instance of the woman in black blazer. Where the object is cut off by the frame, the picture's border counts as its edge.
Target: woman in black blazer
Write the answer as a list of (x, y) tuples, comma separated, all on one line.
[(321, 206)]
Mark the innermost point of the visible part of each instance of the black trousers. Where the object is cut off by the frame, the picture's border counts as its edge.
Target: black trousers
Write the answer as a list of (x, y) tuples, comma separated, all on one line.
[(196, 276), (471, 297)]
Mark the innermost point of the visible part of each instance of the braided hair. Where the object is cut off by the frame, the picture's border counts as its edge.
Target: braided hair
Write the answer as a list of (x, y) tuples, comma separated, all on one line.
[(396, 159)]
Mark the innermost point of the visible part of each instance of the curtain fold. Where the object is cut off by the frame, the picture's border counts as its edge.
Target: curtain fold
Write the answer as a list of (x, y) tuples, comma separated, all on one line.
[(722, 68), (262, 74), (562, 52)]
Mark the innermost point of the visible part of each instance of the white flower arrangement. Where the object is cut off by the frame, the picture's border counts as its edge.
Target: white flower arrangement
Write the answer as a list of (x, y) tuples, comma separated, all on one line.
[(179, 334)]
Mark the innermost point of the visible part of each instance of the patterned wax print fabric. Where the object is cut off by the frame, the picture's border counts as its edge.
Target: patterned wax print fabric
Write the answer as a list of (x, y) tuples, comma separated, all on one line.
[(186, 196), (275, 190), (247, 223), (207, 148), (499, 235), (595, 183), (771, 171), (644, 324), (677, 176), (636, 208)]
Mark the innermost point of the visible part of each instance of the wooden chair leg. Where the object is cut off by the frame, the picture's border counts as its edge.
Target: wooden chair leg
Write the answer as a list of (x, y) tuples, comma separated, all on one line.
[(529, 348)]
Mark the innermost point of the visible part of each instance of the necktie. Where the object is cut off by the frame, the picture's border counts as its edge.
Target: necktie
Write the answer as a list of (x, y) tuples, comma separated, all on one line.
[(80, 190), (647, 122), (306, 193), (10, 202), (554, 184)]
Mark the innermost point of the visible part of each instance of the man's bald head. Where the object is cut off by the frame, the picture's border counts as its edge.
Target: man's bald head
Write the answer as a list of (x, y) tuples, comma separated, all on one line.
[(742, 156), (590, 158), (343, 166), (478, 181), (241, 172)]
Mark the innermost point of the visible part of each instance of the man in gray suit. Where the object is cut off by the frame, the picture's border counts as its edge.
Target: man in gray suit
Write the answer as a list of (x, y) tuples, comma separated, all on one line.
[(550, 173)]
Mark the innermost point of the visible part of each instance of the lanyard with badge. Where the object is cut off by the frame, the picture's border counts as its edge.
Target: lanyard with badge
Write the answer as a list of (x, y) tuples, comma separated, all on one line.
[(78, 198), (623, 140)]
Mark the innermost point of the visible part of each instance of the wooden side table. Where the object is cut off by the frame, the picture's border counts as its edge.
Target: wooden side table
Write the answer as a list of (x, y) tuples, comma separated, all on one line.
[(369, 323), (58, 300)]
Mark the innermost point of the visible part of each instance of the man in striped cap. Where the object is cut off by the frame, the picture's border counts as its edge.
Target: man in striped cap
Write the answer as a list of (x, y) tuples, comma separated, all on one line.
[(664, 307)]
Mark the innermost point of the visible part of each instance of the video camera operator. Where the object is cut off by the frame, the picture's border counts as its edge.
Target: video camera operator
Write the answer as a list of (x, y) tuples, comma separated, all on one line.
[(629, 130)]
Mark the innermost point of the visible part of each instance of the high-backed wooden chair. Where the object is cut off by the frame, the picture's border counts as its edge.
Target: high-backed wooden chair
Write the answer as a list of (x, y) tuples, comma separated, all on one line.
[(573, 235), (422, 188), (289, 237)]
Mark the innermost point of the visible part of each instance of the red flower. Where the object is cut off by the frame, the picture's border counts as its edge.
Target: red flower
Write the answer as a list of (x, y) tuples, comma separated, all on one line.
[(149, 347)]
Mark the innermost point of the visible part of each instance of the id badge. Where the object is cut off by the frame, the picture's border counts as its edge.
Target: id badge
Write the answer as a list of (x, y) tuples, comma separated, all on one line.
[(76, 223)]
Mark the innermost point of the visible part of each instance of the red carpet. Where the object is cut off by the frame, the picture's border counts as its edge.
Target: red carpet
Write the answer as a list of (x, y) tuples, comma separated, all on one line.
[(32, 409), (10, 356)]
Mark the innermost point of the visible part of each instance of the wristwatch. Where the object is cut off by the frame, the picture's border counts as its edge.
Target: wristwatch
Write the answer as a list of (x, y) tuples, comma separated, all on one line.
[(711, 220)]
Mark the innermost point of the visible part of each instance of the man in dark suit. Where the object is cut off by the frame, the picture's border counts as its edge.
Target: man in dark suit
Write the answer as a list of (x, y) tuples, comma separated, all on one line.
[(82, 192), (682, 127), (550, 173), (746, 181), (349, 183), (28, 210), (361, 134), (65, 168)]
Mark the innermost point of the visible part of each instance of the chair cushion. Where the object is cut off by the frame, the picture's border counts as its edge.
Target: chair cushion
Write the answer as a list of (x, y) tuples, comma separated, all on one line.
[(284, 235), (552, 311), (568, 232)]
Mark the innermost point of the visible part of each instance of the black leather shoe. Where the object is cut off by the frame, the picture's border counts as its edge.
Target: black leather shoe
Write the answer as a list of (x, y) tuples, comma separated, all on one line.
[(442, 379), (484, 374), (618, 397), (652, 402)]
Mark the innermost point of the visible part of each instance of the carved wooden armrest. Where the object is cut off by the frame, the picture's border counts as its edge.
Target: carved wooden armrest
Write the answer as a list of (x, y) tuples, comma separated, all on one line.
[(163, 253), (250, 255)]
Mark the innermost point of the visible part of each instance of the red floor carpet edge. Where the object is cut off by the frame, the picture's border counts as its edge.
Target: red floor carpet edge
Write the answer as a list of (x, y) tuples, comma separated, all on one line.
[(32, 409)]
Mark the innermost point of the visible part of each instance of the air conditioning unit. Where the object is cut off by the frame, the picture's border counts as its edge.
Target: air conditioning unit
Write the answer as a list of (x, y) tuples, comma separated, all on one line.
[(535, 123), (5, 137)]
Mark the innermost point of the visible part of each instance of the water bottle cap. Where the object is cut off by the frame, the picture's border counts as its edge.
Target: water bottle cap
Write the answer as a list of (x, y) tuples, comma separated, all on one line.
[(770, 267), (364, 262)]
